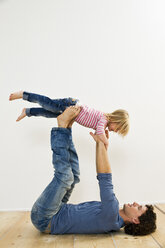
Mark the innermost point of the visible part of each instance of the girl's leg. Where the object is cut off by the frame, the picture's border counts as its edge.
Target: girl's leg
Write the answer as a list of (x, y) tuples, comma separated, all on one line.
[(55, 106), (16, 95), (40, 112), (50, 201), (36, 112), (75, 170)]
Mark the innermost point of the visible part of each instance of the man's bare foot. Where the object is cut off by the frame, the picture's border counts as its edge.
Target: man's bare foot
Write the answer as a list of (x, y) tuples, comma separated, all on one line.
[(70, 124), (16, 95), (22, 115), (66, 119), (72, 121)]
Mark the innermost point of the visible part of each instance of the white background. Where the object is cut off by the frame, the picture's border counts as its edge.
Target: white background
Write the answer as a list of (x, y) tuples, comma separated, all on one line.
[(110, 55)]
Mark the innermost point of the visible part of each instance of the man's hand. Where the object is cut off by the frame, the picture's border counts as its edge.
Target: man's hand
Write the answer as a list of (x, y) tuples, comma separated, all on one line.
[(102, 161), (100, 138)]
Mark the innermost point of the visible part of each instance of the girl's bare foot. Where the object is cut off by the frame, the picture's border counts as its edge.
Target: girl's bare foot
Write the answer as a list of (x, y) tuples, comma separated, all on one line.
[(22, 115), (67, 117), (16, 95)]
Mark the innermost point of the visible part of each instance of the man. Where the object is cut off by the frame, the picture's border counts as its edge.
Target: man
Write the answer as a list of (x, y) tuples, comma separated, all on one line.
[(52, 214)]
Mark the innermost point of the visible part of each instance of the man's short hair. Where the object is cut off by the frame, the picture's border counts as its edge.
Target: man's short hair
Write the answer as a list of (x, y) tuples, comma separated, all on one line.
[(146, 226)]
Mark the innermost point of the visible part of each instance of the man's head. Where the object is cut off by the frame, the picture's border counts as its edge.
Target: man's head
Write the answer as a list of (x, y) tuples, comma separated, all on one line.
[(139, 219)]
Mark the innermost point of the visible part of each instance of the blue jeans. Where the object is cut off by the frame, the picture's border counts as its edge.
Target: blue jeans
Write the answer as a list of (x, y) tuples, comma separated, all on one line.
[(57, 193), (51, 108)]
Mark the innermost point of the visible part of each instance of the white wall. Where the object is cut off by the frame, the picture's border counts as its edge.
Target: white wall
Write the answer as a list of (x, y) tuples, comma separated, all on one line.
[(110, 54)]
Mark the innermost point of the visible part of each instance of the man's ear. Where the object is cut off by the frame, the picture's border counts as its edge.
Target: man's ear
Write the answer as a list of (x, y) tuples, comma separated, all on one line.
[(135, 220)]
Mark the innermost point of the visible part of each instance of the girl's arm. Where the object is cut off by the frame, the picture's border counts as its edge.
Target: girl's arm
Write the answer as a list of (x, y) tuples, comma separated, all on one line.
[(100, 131)]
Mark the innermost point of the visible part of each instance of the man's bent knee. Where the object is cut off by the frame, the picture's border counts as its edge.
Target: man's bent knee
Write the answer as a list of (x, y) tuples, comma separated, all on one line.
[(76, 179), (65, 179)]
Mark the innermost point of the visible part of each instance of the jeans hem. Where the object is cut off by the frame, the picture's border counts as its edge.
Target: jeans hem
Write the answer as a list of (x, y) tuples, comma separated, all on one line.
[(25, 95), (28, 112)]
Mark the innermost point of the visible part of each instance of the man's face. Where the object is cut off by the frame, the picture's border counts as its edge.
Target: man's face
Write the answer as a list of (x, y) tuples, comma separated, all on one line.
[(134, 210)]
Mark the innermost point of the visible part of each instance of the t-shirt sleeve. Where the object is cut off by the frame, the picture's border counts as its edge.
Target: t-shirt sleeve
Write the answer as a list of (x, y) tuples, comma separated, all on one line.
[(100, 129), (108, 198)]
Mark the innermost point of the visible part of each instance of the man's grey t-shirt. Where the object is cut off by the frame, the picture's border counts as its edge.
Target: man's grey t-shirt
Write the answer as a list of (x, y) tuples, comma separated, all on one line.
[(93, 216)]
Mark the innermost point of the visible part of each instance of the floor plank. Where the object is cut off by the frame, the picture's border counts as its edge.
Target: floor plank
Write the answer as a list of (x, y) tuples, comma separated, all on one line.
[(8, 220), (62, 241), (93, 241), (24, 234), (161, 207), (127, 241), (159, 235)]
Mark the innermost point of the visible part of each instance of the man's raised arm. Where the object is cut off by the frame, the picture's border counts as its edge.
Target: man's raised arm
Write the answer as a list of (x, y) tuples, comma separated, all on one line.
[(102, 161), (104, 176)]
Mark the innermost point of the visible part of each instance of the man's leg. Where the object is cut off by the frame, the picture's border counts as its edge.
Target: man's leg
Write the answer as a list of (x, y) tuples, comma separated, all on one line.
[(74, 165), (75, 170), (50, 201)]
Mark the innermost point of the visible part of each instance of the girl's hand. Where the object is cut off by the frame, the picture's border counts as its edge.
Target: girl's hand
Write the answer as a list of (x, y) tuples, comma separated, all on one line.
[(107, 134)]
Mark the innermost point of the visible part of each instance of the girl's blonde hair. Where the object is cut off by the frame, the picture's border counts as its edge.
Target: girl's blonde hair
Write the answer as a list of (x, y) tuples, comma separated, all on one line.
[(121, 118)]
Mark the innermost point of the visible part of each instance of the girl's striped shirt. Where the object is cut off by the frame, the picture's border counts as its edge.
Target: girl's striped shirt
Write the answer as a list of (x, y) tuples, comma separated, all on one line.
[(89, 117)]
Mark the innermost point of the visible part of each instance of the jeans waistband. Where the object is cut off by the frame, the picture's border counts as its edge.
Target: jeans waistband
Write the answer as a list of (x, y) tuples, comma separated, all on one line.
[(62, 129)]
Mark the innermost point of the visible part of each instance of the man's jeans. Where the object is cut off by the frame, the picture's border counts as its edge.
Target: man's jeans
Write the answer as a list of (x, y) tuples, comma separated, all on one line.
[(57, 193), (51, 108)]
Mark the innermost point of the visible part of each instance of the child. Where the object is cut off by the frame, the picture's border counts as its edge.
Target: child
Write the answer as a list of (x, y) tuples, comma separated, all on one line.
[(118, 121)]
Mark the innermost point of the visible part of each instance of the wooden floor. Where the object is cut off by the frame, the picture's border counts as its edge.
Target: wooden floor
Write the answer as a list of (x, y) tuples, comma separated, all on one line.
[(16, 231)]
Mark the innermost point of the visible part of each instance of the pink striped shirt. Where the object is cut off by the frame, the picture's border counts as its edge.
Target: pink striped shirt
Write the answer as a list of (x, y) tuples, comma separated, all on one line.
[(89, 117)]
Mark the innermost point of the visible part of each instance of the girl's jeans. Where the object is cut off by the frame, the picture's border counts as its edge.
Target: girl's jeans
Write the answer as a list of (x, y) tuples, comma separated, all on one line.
[(51, 108), (57, 193)]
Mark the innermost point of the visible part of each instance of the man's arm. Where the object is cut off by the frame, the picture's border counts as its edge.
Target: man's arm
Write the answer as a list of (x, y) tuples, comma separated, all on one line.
[(103, 138), (104, 176), (102, 161)]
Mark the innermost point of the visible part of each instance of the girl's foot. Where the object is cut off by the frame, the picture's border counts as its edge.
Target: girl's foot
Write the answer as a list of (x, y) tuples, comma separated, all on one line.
[(16, 95), (22, 115)]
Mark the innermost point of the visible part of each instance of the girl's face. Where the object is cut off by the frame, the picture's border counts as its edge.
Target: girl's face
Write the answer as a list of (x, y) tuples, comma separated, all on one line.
[(112, 127)]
